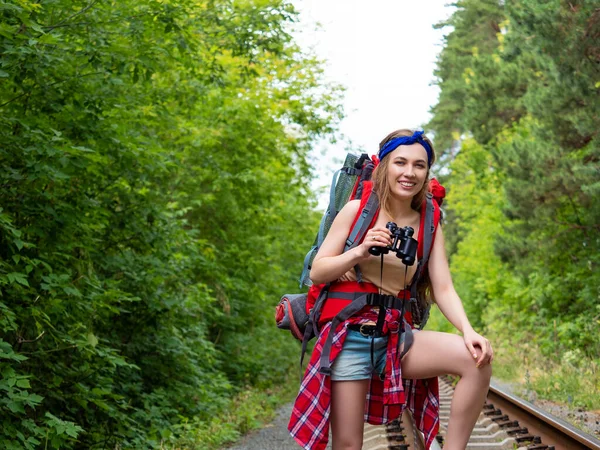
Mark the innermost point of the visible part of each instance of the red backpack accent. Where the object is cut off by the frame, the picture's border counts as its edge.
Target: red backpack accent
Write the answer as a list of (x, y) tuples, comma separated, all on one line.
[(367, 187), (334, 305)]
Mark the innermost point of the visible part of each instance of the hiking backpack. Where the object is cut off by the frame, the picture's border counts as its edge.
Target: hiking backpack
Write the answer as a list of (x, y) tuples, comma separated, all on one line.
[(300, 313)]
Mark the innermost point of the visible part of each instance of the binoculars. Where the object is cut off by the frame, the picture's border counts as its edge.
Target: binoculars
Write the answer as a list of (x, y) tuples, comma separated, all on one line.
[(403, 244)]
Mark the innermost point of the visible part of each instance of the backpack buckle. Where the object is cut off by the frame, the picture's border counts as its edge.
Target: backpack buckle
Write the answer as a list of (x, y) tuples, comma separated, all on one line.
[(386, 301), (366, 330)]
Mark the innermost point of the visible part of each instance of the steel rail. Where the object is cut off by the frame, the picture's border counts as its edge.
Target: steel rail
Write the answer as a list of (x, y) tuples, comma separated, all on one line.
[(554, 431)]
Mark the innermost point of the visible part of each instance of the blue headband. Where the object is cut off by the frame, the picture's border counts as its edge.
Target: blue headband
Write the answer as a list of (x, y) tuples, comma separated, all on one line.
[(417, 137)]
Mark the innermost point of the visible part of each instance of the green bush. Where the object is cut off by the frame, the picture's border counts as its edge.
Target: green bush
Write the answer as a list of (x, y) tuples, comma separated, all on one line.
[(517, 124), (154, 204)]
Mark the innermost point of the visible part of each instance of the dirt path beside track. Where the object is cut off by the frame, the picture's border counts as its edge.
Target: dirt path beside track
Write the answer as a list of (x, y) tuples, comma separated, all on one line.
[(273, 436)]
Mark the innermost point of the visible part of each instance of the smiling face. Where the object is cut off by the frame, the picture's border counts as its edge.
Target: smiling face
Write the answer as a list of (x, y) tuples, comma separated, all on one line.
[(407, 171), (403, 173)]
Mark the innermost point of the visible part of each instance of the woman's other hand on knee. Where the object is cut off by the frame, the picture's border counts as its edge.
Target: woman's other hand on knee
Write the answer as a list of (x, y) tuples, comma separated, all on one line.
[(479, 347)]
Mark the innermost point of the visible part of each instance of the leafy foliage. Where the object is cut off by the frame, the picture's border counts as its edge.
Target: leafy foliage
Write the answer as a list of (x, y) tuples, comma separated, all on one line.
[(154, 204), (524, 170)]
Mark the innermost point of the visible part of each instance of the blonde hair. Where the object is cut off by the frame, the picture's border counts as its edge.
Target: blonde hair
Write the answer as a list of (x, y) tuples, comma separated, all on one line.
[(381, 187)]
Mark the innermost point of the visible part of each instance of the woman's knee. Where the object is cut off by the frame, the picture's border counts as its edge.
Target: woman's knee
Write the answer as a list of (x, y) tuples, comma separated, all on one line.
[(485, 372), (482, 373), (434, 353), (347, 438), (342, 443), (466, 365)]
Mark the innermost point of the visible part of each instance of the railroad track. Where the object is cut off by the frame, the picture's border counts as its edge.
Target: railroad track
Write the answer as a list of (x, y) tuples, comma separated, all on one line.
[(506, 422)]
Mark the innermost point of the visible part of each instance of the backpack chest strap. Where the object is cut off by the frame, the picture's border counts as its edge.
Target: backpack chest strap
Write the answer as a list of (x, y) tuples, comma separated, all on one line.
[(371, 299)]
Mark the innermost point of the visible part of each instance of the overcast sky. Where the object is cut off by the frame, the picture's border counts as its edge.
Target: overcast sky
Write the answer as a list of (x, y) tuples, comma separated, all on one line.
[(384, 53)]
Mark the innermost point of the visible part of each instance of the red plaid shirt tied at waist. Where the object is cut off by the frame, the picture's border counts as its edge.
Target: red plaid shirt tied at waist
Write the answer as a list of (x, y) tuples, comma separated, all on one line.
[(386, 400)]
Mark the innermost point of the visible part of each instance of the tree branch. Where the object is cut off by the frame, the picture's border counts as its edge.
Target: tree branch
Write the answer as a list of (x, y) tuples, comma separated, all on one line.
[(64, 22), (15, 98), (48, 85), (117, 19), (20, 340), (51, 351)]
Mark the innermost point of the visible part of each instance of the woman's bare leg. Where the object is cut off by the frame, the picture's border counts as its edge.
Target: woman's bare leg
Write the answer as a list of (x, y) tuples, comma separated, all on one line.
[(347, 413), (433, 354)]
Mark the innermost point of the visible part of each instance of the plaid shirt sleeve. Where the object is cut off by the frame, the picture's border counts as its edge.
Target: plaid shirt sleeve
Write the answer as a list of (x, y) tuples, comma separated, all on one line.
[(309, 423), (423, 402)]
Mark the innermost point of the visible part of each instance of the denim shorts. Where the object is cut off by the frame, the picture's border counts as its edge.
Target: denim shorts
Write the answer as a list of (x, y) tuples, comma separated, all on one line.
[(354, 361)]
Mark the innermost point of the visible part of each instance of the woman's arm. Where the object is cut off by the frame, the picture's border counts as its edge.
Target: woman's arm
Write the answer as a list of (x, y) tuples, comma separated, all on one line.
[(443, 289), (449, 302), (331, 263)]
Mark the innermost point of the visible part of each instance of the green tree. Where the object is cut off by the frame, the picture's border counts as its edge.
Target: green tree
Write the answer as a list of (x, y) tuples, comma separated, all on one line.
[(519, 90), (154, 205)]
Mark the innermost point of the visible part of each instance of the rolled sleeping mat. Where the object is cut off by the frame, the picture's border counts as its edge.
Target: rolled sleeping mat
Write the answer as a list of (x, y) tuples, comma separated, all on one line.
[(290, 314)]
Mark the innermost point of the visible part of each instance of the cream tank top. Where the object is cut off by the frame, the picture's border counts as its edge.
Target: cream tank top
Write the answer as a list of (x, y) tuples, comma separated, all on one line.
[(393, 273)]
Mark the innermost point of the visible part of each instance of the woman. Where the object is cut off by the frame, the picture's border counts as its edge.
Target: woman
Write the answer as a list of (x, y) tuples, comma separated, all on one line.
[(400, 181)]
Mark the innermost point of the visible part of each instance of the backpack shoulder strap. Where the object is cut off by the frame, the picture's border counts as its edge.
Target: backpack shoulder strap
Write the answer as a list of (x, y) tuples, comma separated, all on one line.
[(363, 221), (430, 219), (365, 217)]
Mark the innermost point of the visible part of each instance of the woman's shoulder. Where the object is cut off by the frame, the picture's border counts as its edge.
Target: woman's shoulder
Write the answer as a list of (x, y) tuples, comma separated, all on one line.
[(351, 208), (352, 205), (348, 212)]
